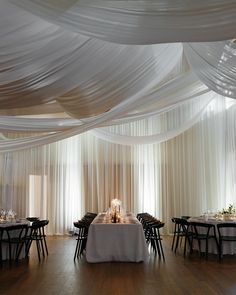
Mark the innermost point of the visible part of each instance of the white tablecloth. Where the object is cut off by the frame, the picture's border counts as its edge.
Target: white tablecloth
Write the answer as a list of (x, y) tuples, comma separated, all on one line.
[(227, 247), (116, 241), (5, 250)]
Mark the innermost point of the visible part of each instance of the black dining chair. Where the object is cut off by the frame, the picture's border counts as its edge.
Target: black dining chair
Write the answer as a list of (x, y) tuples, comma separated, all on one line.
[(154, 237), (178, 233), (37, 235), (14, 237), (90, 214), (182, 231), (82, 235), (187, 234), (203, 232), (43, 234), (227, 234)]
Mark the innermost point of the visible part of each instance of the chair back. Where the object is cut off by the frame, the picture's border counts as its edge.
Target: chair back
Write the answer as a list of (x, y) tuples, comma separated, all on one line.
[(15, 235), (32, 219), (231, 230), (226, 224), (82, 228), (227, 234), (185, 217), (37, 227), (21, 228), (204, 227)]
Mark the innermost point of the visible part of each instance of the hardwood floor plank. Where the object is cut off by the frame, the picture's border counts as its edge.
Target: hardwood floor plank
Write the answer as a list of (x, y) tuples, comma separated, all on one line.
[(60, 274)]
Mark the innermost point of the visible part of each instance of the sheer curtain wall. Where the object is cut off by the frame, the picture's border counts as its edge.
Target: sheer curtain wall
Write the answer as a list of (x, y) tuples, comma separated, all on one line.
[(186, 175)]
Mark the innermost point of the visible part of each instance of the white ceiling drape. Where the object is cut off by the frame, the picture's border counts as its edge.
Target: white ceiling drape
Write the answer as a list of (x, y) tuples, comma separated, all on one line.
[(215, 65), (187, 116), (189, 174), (48, 66), (167, 97), (140, 22), (114, 68)]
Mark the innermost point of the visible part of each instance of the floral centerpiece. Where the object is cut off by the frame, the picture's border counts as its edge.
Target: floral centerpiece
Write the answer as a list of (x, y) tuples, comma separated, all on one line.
[(228, 213), (115, 210)]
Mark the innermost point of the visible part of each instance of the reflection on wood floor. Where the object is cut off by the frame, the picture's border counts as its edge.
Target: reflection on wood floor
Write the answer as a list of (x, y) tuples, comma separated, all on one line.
[(60, 274)]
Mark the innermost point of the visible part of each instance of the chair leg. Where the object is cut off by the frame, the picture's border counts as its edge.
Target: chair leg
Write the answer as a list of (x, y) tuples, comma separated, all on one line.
[(199, 246), (0, 251), (38, 249), (188, 240), (217, 244), (185, 245), (79, 248), (9, 251), (206, 249), (162, 252), (181, 237), (173, 242), (158, 247), (45, 244), (76, 248), (220, 250), (84, 242), (178, 238), (27, 247), (177, 243), (18, 250), (153, 245), (44, 240), (41, 246), (191, 245), (174, 238)]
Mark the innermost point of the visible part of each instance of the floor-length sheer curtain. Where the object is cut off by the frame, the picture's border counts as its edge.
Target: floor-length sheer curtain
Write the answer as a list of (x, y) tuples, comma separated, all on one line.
[(186, 175), (45, 182), (194, 172), (107, 174), (230, 170)]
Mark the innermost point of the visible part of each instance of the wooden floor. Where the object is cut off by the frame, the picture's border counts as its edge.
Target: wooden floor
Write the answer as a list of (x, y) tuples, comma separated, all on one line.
[(58, 274)]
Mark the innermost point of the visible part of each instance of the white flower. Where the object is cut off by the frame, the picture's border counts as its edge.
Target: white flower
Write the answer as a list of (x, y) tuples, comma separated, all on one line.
[(115, 202)]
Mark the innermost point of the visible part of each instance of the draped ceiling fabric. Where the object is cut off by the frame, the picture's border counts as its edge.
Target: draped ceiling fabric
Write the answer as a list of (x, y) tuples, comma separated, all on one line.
[(132, 73), (140, 22)]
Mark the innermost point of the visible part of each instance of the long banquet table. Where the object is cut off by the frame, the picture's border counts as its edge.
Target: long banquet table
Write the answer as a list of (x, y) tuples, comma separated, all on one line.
[(124, 241), (228, 248)]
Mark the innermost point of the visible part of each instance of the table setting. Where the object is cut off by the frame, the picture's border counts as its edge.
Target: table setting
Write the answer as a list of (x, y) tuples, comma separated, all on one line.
[(9, 218), (224, 216), (10, 227), (116, 235), (227, 214)]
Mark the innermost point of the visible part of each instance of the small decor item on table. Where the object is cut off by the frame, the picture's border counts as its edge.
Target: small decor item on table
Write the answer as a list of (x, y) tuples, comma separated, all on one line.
[(3, 214), (11, 215), (8, 215), (228, 213), (115, 211)]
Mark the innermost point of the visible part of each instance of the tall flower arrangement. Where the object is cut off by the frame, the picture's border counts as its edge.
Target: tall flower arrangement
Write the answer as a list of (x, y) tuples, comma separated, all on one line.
[(230, 210), (115, 210), (228, 213)]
